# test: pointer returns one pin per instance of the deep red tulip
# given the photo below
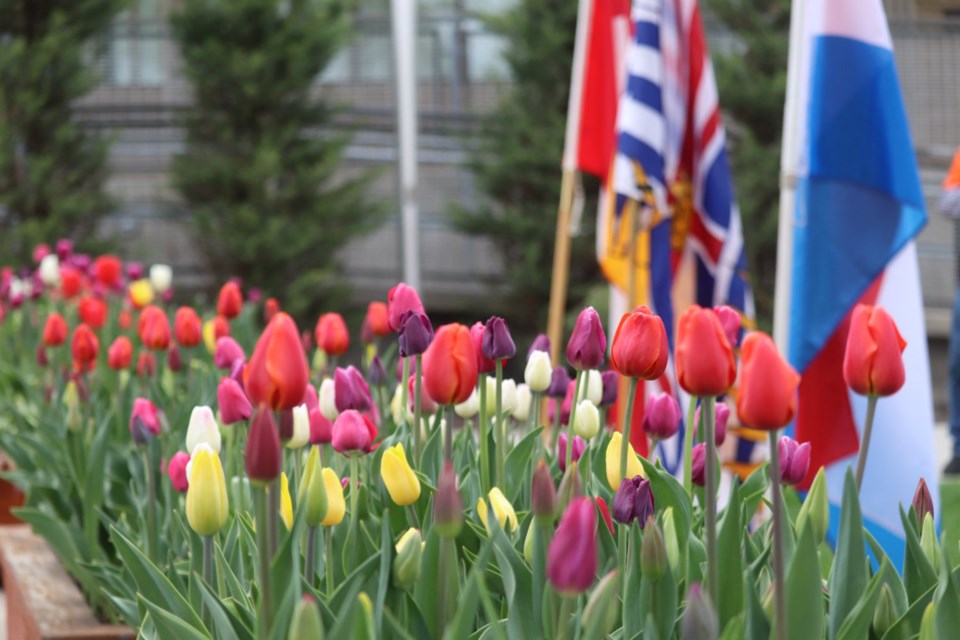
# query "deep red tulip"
(767, 398)
(146, 365)
(572, 556)
(92, 311)
(605, 513)
(450, 365)
(42, 359)
(277, 372)
(230, 300)
(262, 456)
(704, 358)
(120, 353)
(400, 300)
(353, 431)
(84, 347)
(125, 319)
(331, 334)
(587, 343)
(873, 362)
(187, 328)
(107, 270)
(640, 347)
(154, 328)
(55, 330)
(497, 342)
(177, 471)
(484, 364)
(378, 319)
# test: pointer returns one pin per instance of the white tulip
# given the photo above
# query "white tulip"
(50, 270)
(469, 407)
(508, 399)
(396, 405)
(301, 427)
(328, 404)
(592, 387)
(521, 408)
(491, 395)
(203, 429)
(161, 277)
(587, 421)
(538, 373)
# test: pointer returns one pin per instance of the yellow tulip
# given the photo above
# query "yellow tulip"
(286, 503)
(336, 505)
(312, 493)
(207, 505)
(402, 483)
(502, 509)
(209, 337)
(634, 468)
(141, 292)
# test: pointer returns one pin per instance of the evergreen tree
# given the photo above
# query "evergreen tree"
(517, 162)
(752, 81)
(260, 169)
(52, 170)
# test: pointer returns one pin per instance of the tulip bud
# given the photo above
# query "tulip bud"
(491, 406)
(633, 501)
(543, 495)
(922, 502)
(587, 343)
(336, 505)
(376, 374)
(177, 471)
(816, 508)
(49, 270)
(71, 400)
(730, 321)
(587, 423)
(161, 277)
(579, 446)
(203, 429)
(612, 460)
(140, 292)
(521, 407)
(885, 615)
(699, 619)
(397, 410)
(416, 334)
(497, 342)
(449, 371)
(592, 387)
(602, 606)
(328, 400)
(286, 503)
(721, 415)
(353, 431)
(406, 564)
(873, 360)
(146, 365)
(928, 623)
(661, 420)
(502, 509)
(484, 364)
(227, 352)
(538, 373)
(277, 372)
(233, 402)
(144, 421)
(174, 361)
(262, 455)
(670, 539)
(301, 428)
(767, 397)
(401, 300)
(572, 555)
(653, 554)
(230, 300)
(469, 407)
(351, 390)
(611, 384)
(42, 360)
(704, 358)
(401, 482)
(306, 622)
(207, 505)
(570, 488)
(528, 544)
(794, 460)
(559, 382)
(698, 464)
(508, 396)
(311, 492)
(928, 542)
(447, 504)
(540, 343)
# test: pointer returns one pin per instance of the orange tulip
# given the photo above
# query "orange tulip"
(450, 365)
(378, 319)
(187, 327)
(873, 362)
(332, 335)
(55, 330)
(120, 353)
(277, 372)
(84, 348)
(768, 385)
(154, 328)
(230, 301)
(705, 363)
(640, 346)
(93, 311)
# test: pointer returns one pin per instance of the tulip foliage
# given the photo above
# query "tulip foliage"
(231, 499)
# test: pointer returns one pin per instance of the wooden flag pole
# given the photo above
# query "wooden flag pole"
(561, 266)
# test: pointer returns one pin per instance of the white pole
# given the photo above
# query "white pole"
(404, 14)
(793, 111)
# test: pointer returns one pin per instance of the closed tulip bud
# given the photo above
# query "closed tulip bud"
(336, 505)
(277, 372)
(815, 509)
(406, 564)
(640, 348)
(698, 464)
(794, 460)
(469, 407)
(497, 342)
(484, 364)
(376, 374)
(144, 421)
(146, 365)
(587, 343)
(133, 270)
(177, 471)
(873, 361)
(120, 353)
(699, 619)
(521, 406)
(50, 270)
(928, 542)
(928, 623)
(230, 300)
(55, 330)
(601, 612)
(154, 328)
(502, 510)
(351, 390)
(331, 334)
(262, 455)
(592, 387)
(543, 494)
(559, 382)
(187, 328)
(704, 359)
(107, 270)
(353, 431)
(528, 545)
(447, 504)
(174, 361)
(161, 277)
(416, 334)
(570, 487)
(84, 347)
(633, 501)
(885, 615)
(572, 556)
(579, 446)
(71, 400)
(233, 402)
(670, 539)
(378, 319)
(612, 459)
(140, 292)
(767, 398)
(721, 416)
(605, 512)
(653, 554)
(306, 623)
(286, 502)
(42, 360)
(92, 311)
(540, 343)
(401, 300)
(397, 410)
(587, 423)
(538, 373)
(328, 401)
(207, 505)
(661, 420)
(730, 321)
(301, 428)
(203, 429)
(508, 396)
(401, 482)
(312, 493)
(922, 502)
(450, 365)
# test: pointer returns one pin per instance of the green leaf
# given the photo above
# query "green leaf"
(858, 623)
(386, 553)
(469, 602)
(918, 574)
(634, 615)
(667, 492)
(517, 463)
(848, 576)
(947, 604)
(517, 584)
(169, 625)
(729, 560)
(804, 590)
(223, 626)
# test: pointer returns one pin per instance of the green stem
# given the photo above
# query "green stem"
(573, 415)
(688, 447)
(535, 422)
(501, 430)
(627, 423)
(484, 445)
(865, 439)
(417, 394)
(710, 501)
(405, 389)
(273, 493)
(151, 504)
(539, 571)
(448, 434)
(779, 587)
(623, 554)
(263, 548)
(311, 560)
(328, 560)
(555, 431)
(353, 538)
(414, 518)
(563, 621)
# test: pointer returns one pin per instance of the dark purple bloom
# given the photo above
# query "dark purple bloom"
(376, 374)
(350, 390)
(416, 334)
(633, 501)
(559, 382)
(497, 341)
(588, 343)
(611, 382)
(540, 343)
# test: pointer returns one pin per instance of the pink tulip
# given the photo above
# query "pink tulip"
(233, 402)
(572, 556)
(177, 471)
(227, 352)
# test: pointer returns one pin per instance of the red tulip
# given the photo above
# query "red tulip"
(484, 364)
(146, 365)
(873, 362)
(187, 327)
(378, 319)
(154, 328)
(120, 353)
(221, 327)
(262, 456)
(55, 330)
(353, 431)
(71, 282)
(640, 347)
(270, 309)
(84, 347)
(605, 512)
(401, 299)
(768, 385)
(107, 270)
(572, 556)
(587, 343)
(125, 319)
(92, 311)
(277, 372)
(332, 335)
(450, 365)
(230, 300)
(704, 359)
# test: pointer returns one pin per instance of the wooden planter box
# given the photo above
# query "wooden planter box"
(10, 495)
(43, 601)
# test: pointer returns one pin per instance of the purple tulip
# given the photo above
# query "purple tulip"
(559, 381)
(662, 417)
(416, 334)
(233, 402)
(587, 343)
(698, 465)
(579, 446)
(497, 341)
(633, 501)
(572, 556)
(133, 270)
(540, 343)
(351, 390)
(922, 501)
(376, 374)
(794, 460)
(611, 383)
(64, 248)
(721, 416)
